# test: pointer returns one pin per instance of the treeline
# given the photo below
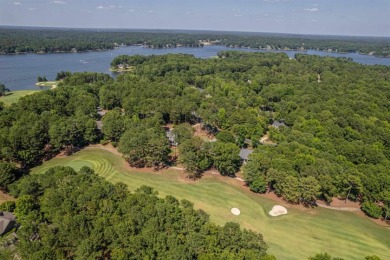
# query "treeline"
(334, 140)
(40, 126)
(18, 40)
(65, 214)
(365, 45)
(40, 40)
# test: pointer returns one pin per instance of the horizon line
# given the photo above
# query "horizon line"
(193, 30)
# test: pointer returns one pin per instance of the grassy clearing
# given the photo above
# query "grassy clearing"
(51, 84)
(299, 234)
(128, 69)
(14, 96)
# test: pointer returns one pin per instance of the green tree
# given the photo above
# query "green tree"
(114, 125)
(386, 202)
(27, 138)
(259, 185)
(328, 189)
(68, 221)
(225, 157)
(288, 188)
(257, 169)
(309, 189)
(371, 209)
(24, 205)
(352, 185)
(70, 132)
(195, 156)
(63, 74)
(225, 136)
(183, 132)
(8, 174)
(41, 79)
(142, 146)
(8, 206)
(3, 90)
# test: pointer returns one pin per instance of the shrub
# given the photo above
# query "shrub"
(8, 206)
(371, 209)
(259, 185)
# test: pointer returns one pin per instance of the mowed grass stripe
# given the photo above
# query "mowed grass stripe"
(14, 96)
(299, 234)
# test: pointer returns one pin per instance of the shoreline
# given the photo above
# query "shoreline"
(284, 49)
(47, 84)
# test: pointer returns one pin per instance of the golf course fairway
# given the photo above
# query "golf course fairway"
(299, 234)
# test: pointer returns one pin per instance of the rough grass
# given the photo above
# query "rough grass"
(5, 197)
(13, 97)
(297, 235)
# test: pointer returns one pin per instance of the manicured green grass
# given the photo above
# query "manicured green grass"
(13, 97)
(129, 69)
(298, 235)
(47, 84)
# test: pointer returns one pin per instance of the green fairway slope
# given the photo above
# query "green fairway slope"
(299, 234)
(14, 96)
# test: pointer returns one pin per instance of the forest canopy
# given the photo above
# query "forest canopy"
(47, 40)
(66, 214)
(327, 120)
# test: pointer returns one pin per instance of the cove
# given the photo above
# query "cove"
(20, 72)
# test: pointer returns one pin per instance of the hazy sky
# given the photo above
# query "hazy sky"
(339, 17)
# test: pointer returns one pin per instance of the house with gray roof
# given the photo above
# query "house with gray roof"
(99, 124)
(171, 137)
(7, 222)
(278, 124)
(244, 154)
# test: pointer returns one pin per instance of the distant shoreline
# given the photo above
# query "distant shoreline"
(303, 50)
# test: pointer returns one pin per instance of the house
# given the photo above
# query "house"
(278, 124)
(244, 154)
(171, 137)
(7, 222)
(101, 112)
(99, 125)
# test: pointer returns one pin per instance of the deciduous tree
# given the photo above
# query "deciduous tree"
(195, 155)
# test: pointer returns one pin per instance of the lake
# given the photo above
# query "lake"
(20, 72)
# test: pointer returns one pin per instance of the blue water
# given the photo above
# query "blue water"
(19, 72)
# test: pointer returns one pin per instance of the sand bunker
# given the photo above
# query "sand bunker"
(235, 211)
(278, 210)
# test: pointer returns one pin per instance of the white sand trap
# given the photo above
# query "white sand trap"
(278, 210)
(235, 211)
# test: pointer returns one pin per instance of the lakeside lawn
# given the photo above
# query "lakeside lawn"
(52, 84)
(13, 97)
(299, 234)
(119, 70)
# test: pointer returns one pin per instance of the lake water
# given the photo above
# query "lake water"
(19, 72)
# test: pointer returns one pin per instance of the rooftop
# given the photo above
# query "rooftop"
(7, 221)
(244, 153)
(278, 124)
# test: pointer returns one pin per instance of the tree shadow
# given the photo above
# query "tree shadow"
(8, 94)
